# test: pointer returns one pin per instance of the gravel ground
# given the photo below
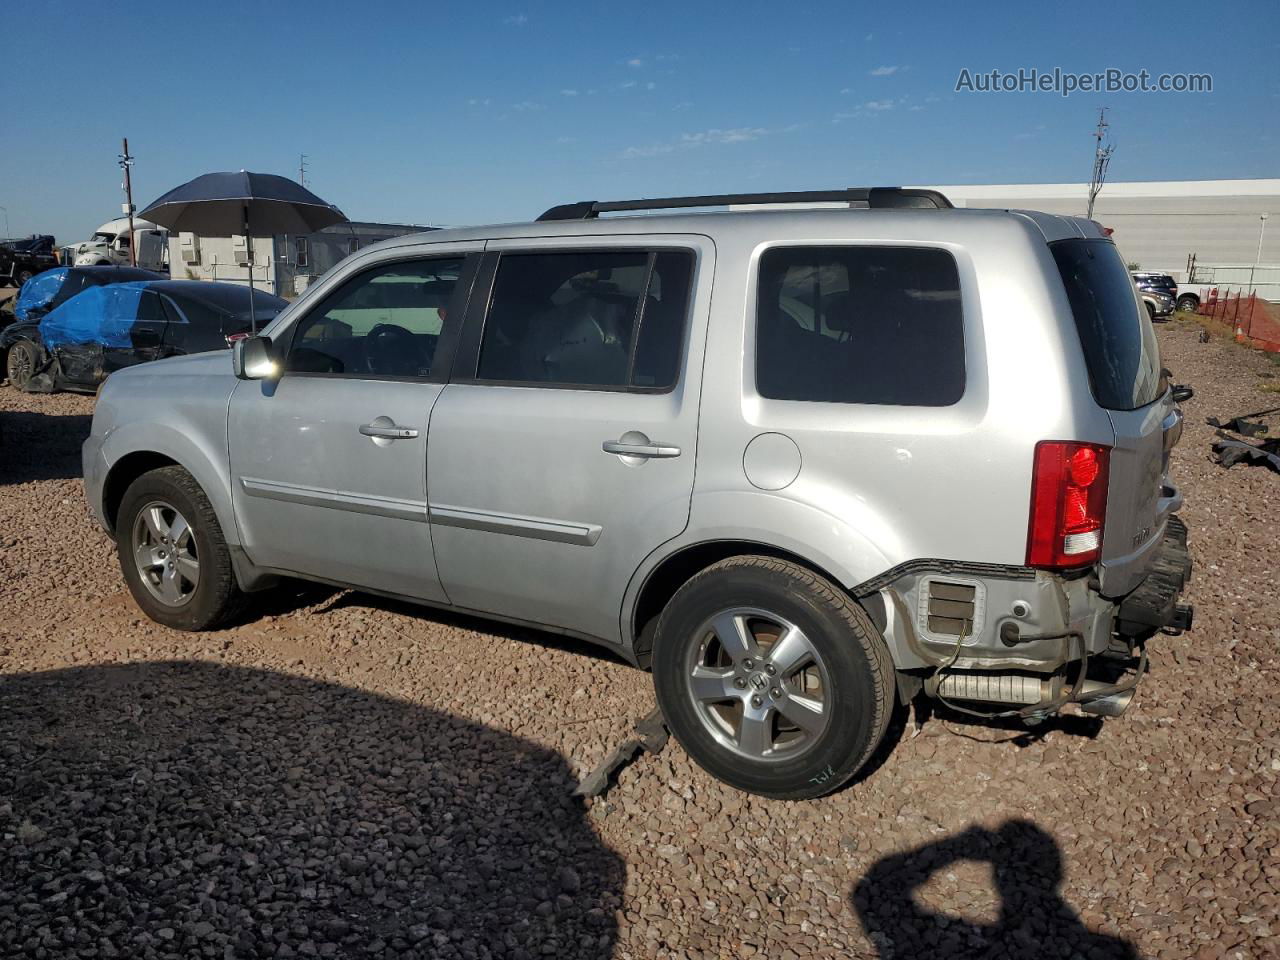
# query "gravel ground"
(345, 776)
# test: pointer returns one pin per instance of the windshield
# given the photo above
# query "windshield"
(1119, 342)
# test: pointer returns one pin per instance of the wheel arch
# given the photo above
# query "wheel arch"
(138, 446)
(660, 584)
(122, 473)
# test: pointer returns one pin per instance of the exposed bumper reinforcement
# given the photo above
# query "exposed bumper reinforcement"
(1154, 605)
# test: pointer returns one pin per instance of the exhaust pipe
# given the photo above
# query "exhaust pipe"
(1094, 700)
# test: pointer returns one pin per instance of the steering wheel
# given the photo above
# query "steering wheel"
(391, 350)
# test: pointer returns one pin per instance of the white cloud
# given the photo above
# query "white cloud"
(628, 85)
(568, 93)
(474, 102)
(845, 91)
(653, 150)
(518, 20)
(702, 138)
(915, 107)
(716, 135)
(650, 85)
(878, 105)
(635, 62)
(566, 139)
(884, 71)
(683, 105)
(527, 105)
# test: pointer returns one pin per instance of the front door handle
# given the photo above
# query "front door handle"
(384, 428)
(635, 444)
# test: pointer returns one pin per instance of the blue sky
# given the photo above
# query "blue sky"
(448, 114)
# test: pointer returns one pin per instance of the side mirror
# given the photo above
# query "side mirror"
(253, 359)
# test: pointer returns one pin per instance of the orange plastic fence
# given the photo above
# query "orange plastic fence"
(1255, 321)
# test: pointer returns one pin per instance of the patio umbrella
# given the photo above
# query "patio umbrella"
(222, 204)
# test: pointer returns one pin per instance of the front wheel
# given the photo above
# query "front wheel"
(173, 555)
(20, 363)
(772, 678)
(1188, 304)
(24, 276)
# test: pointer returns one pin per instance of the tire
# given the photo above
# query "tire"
(183, 580)
(1188, 303)
(20, 363)
(1151, 311)
(838, 662)
(23, 277)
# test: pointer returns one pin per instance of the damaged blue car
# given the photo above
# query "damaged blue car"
(79, 342)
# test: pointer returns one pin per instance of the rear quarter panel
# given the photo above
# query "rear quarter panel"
(882, 485)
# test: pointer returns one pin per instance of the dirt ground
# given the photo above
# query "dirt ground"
(345, 776)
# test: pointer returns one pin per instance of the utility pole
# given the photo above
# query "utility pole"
(126, 162)
(1257, 258)
(302, 169)
(1101, 159)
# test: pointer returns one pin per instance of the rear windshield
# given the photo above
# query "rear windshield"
(1119, 343)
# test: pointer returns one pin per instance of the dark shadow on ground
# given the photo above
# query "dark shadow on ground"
(188, 810)
(292, 595)
(1018, 732)
(1034, 921)
(39, 446)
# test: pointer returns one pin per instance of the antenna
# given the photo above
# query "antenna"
(1101, 158)
(302, 169)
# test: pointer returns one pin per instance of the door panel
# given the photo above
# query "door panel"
(532, 519)
(544, 500)
(314, 495)
(329, 463)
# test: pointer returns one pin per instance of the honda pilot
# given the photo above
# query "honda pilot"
(801, 464)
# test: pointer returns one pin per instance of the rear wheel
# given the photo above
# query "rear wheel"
(1188, 303)
(173, 554)
(20, 364)
(772, 679)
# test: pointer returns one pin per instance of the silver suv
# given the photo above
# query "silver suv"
(804, 464)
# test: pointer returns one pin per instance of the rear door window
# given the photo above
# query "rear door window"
(1119, 342)
(601, 318)
(875, 325)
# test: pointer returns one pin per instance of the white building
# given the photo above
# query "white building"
(284, 264)
(1231, 227)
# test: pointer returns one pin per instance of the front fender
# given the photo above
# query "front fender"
(192, 444)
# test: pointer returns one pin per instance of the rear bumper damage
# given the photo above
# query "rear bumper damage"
(1027, 643)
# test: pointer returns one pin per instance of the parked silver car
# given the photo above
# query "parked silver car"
(803, 464)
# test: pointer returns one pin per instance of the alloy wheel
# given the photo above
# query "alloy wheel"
(758, 684)
(164, 551)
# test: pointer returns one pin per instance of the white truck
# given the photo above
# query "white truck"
(110, 243)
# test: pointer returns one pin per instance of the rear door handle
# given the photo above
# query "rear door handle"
(654, 451)
(387, 430)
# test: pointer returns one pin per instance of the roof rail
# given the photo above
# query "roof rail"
(877, 198)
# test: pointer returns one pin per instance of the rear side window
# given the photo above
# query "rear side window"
(600, 318)
(877, 325)
(1119, 343)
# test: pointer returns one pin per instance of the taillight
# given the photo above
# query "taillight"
(1068, 504)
